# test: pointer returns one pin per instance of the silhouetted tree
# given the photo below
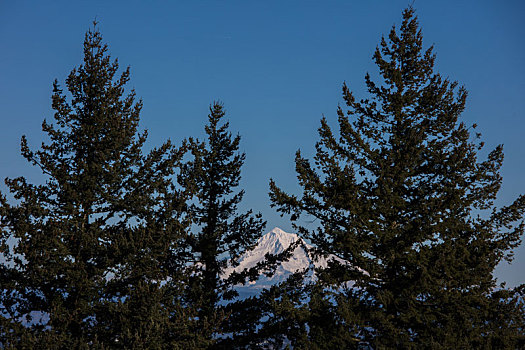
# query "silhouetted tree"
(401, 196)
(220, 233)
(94, 249)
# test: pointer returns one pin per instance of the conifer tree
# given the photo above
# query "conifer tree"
(220, 233)
(402, 196)
(94, 245)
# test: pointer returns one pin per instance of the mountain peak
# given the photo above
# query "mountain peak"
(276, 241)
(278, 231)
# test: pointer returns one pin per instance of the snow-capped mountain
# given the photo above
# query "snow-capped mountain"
(275, 242)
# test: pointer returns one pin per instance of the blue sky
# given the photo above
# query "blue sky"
(277, 66)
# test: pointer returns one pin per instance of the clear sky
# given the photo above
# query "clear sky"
(277, 66)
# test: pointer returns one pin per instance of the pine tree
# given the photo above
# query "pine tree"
(96, 244)
(220, 233)
(401, 196)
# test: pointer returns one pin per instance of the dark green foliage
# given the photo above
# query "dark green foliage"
(95, 241)
(220, 233)
(110, 250)
(110, 253)
(402, 195)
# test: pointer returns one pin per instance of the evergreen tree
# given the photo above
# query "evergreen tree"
(94, 245)
(401, 196)
(220, 233)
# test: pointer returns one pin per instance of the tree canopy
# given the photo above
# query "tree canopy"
(124, 247)
(220, 233)
(401, 195)
(94, 242)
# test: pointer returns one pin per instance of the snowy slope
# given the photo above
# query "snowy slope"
(275, 242)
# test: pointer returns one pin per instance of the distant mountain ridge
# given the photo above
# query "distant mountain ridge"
(275, 242)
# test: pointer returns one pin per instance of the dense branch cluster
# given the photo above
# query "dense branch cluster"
(123, 248)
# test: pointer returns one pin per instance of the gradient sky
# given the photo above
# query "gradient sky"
(277, 66)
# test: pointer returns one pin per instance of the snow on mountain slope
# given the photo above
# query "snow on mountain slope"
(275, 242)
